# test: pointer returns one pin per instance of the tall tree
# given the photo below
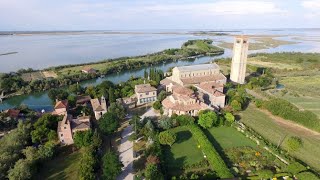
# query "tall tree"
(111, 166)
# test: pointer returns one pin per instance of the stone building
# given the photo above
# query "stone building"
(89, 70)
(239, 59)
(61, 107)
(206, 78)
(68, 126)
(145, 93)
(182, 101)
(99, 107)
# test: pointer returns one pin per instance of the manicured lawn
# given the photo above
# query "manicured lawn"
(183, 152)
(64, 166)
(304, 102)
(228, 137)
(273, 132)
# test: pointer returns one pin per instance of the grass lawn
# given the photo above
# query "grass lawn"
(64, 166)
(228, 137)
(183, 152)
(272, 131)
(303, 85)
(305, 102)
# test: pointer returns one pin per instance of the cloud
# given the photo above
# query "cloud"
(313, 7)
(240, 7)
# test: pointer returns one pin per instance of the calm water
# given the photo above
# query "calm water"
(39, 51)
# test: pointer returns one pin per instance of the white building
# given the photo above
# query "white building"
(99, 107)
(239, 59)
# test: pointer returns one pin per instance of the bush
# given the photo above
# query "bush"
(207, 119)
(109, 122)
(229, 117)
(307, 176)
(236, 105)
(185, 120)
(111, 166)
(213, 156)
(166, 122)
(293, 143)
(167, 138)
(295, 168)
(157, 105)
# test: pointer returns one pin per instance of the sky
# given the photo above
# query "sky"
(23, 15)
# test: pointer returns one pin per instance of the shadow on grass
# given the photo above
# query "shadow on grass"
(183, 136)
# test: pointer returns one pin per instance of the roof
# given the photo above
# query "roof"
(14, 113)
(198, 80)
(182, 90)
(61, 104)
(211, 87)
(198, 67)
(83, 99)
(96, 105)
(141, 88)
(88, 69)
(167, 81)
(81, 123)
(168, 104)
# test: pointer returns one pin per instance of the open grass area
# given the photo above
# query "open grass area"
(64, 166)
(303, 85)
(275, 133)
(228, 137)
(184, 152)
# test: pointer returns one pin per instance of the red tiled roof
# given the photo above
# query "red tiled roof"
(61, 104)
(198, 80)
(88, 69)
(182, 90)
(83, 99)
(14, 113)
(141, 88)
(182, 107)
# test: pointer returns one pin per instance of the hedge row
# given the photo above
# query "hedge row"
(213, 156)
(286, 110)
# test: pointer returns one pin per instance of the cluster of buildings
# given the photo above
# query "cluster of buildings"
(197, 87)
(69, 124)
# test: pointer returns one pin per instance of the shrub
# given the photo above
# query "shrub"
(207, 119)
(295, 168)
(185, 120)
(157, 105)
(213, 156)
(236, 105)
(307, 176)
(167, 138)
(293, 143)
(265, 174)
(229, 117)
(111, 166)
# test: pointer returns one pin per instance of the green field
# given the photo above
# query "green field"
(184, 152)
(228, 137)
(275, 133)
(305, 103)
(64, 166)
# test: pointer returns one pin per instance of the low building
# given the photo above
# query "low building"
(127, 102)
(13, 113)
(83, 100)
(61, 107)
(99, 107)
(182, 101)
(145, 93)
(68, 126)
(89, 70)
(211, 93)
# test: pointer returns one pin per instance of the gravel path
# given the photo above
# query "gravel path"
(126, 154)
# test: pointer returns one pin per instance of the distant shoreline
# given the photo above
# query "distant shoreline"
(8, 53)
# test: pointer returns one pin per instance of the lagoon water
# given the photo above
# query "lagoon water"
(41, 51)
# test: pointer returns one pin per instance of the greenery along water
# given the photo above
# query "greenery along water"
(40, 100)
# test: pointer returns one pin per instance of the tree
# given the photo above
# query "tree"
(162, 95)
(111, 166)
(265, 174)
(157, 105)
(229, 117)
(109, 123)
(167, 137)
(83, 138)
(43, 128)
(22, 170)
(58, 94)
(165, 122)
(75, 88)
(293, 143)
(87, 163)
(112, 97)
(72, 100)
(207, 119)
(295, 168)
(117, 109)
(185, 120)
(152, 172)
(236, 105)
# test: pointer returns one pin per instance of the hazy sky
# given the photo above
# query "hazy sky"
(157, 14)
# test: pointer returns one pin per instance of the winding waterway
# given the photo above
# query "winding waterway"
(69, 49)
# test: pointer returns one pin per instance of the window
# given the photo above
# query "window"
(244, 42)
(61, 135)
(62, 141)
(147, 93)
(154, 93)
(238, 41)
(65, 127)
(140, 95)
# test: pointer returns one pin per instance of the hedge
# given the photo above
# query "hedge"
(213, 156)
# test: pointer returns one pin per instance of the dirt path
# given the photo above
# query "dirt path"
(291, 126)
(126, 155)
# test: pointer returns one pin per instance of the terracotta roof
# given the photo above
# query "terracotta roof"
(83, 99)
(61, 104)
(198, 67)
(96, 105)
(182, 90)
(84, 125)
(211, 87)
(141, 88)
(88, 69)
(198, 80)
(13, 113)
(168, 104)
(167, 81)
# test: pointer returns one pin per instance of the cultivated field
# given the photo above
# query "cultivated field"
(275, 132)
